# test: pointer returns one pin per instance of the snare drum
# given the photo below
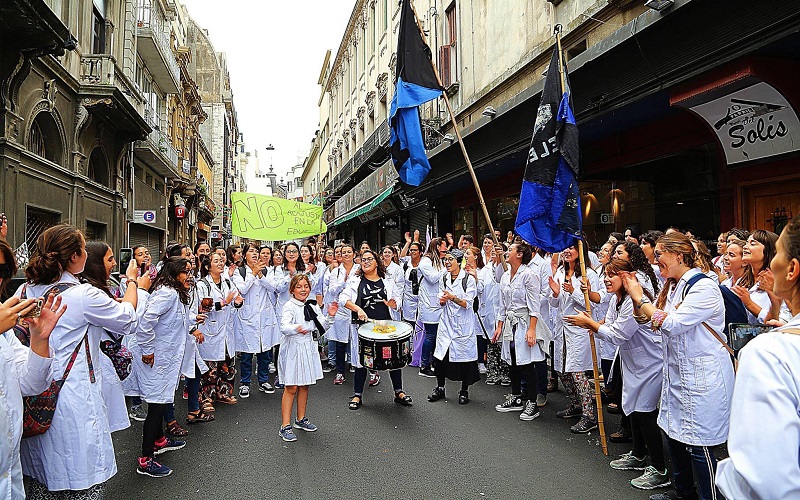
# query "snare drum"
(384, 351)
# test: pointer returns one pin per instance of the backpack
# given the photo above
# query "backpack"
(735, 312)
(464, 281)
(243, 272)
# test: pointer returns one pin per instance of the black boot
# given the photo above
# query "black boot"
(463, 397)
(437, 394)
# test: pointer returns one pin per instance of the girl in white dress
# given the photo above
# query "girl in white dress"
(302, 323)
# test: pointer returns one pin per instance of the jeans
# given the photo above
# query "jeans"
(428, 344)
(332, 357)
(523, 373)
(541, 376)
(341, 350)
(262, 366)
(689, 461)
(152, 429)
(169, 412)
(193, 390)
(361, 379)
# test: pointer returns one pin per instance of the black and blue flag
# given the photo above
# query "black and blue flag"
(415, 84)
(549, 214)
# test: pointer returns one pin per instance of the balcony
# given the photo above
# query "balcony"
(159, 154)
(107, 93)
(153, 45)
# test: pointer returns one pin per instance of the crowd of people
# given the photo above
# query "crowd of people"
(508, 313)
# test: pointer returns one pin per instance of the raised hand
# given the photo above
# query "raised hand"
(12, 310)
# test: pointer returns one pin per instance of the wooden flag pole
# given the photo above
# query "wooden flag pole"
(587, 302)
(461, 142)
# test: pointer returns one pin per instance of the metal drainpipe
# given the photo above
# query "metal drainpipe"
(131, 205)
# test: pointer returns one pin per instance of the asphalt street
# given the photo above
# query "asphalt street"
(430, 450)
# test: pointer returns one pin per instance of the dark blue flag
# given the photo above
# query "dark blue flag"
(549, 214)
(415, 84)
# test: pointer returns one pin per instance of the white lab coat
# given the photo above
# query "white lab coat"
(162, 332)
(350, 293)
(254, 324)
(488, 297)
(410, 306)
(640, 353)
(113, 394)
(220, 341)
(76, 452)
(298, 359)
(342, 326)
(395, 273)
(764, 434)
(572, 349)
(607, 349)
(191, 353)
(130, 386)
(457, 325)
(429, 310)
(22, 373)
(698, 373)
(519, 301)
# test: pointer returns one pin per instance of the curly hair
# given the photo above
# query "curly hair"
(613, 268)
(639, 261)
(378, 262)
(168, 277)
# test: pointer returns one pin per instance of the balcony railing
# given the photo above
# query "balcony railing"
(102, 69)
(157, 150)
(152, 31)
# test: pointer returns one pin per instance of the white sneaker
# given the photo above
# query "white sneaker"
(272, 368)
(244, 391)
(482, 368)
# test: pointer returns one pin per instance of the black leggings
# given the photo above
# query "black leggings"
(520, 372)
(647, 438)
(153, 428)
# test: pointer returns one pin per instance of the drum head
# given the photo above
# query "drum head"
(395, 330)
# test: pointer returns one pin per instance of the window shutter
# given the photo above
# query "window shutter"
(444, 65)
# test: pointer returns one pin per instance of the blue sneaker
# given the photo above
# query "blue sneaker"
(305, 425)
(168, 444)
(287, 434)
(149, 467)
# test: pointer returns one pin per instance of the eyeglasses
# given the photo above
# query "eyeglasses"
(367, 260)
(290, 251)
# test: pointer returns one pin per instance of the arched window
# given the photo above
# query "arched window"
(98, 167)
(44, 138)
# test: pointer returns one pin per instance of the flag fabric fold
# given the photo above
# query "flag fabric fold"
(549, 214)
(415, 84)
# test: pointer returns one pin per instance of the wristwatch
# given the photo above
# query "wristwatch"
(644, 300)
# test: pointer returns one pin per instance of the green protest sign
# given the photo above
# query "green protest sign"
(260, 217)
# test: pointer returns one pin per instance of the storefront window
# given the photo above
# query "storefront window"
(680, 191)
(464, 221)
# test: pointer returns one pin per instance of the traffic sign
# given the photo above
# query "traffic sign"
(144, 216)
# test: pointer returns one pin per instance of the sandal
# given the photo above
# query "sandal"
(402, 398)
(198, 417)
(228, 400)
(206, 406)
(355, 403)
(175, 429)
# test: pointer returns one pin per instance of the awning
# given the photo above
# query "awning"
(366, 207)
